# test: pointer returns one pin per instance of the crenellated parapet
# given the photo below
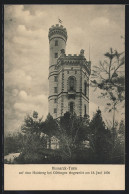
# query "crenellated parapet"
(74, 60)
(57, 30)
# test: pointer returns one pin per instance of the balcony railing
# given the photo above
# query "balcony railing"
(71, 93)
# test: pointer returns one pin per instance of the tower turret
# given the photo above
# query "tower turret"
(57, 40)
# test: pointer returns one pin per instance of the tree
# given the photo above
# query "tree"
(72, 130)
(32, 124)
(119, 144)
(110, 79)
(100, 138)
(50, 128)
(13, 143)
(33, 143)
(121, 130)
(32, 150)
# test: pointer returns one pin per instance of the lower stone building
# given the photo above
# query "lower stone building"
(71, 90)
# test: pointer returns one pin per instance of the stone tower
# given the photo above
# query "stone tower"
(68, 77)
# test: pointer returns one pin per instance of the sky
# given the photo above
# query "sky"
(26, 52)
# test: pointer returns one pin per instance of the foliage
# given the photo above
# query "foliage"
(13, 143)
(119, 144)
(109, 76)
(31, 150)
(72, 131)
(110, 79)
(100, 138)
(50, 128)
(32, 124)
(32, 140)
(106, 143)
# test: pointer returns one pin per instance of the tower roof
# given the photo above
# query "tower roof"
(57, 30)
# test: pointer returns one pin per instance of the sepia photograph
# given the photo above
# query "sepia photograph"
(64, 84)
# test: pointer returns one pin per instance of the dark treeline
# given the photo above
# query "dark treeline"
(13, 143)
(80, 140)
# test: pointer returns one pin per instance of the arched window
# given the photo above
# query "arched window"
(85, 88)
(71, 84)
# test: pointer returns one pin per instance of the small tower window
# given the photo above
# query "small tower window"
(71, 107)
(84, 110)
(85, 88)
(55, 79)
(55, 110)
(56, 42)
(55, 89)
(55, 100)
(56, 55)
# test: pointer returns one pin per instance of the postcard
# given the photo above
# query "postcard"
(64, 97)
